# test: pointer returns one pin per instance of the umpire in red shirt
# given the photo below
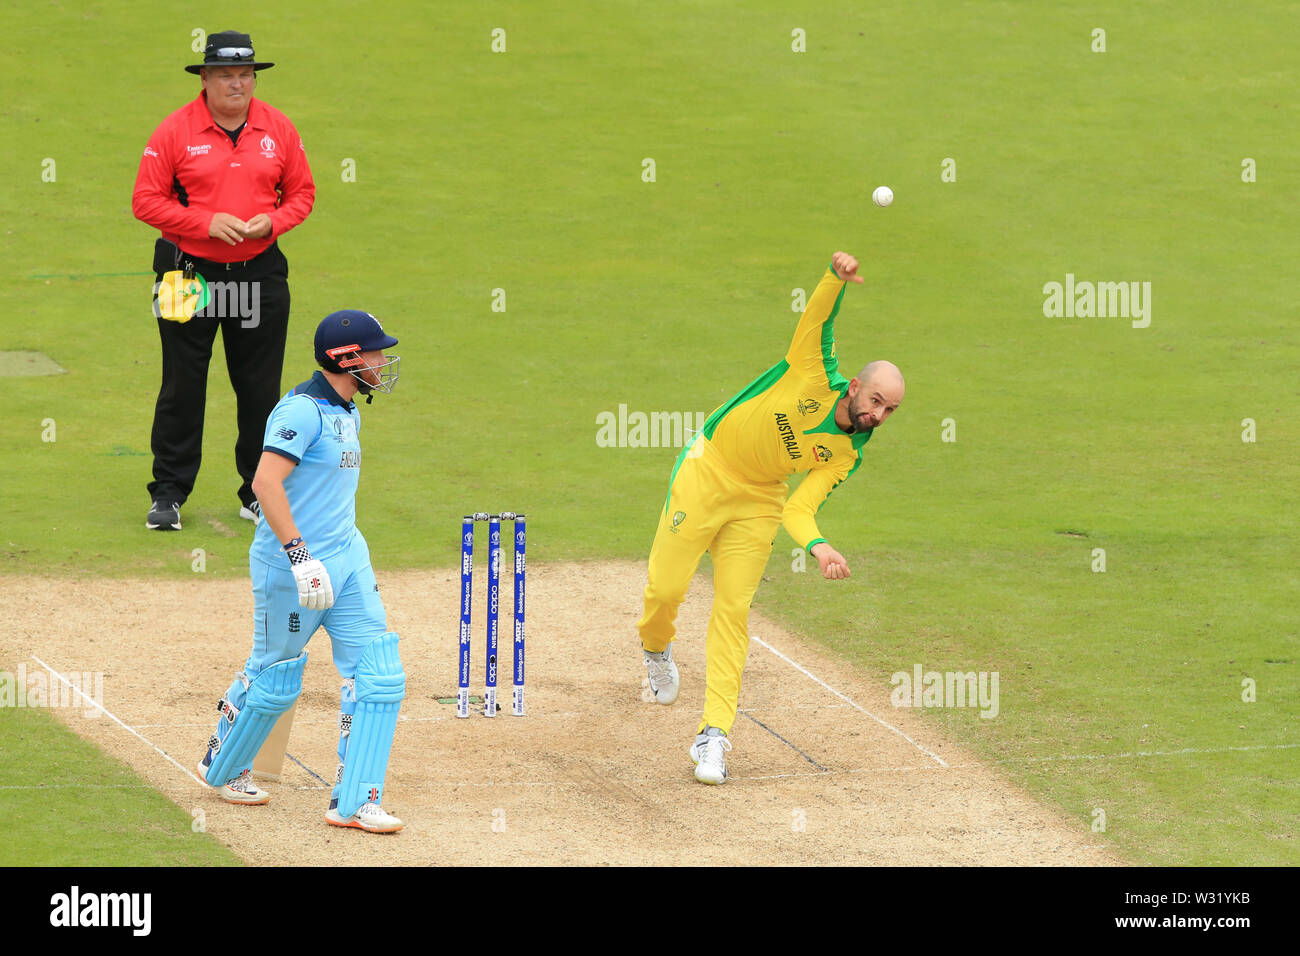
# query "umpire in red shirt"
(222, 179)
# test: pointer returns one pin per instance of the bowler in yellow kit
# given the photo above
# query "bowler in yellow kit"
(728, 495)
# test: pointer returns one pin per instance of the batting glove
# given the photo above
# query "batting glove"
(315, 592)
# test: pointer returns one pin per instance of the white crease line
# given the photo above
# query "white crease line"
(1149, 753)
(852, 703)
(190, 726)
(118, 722)
(334, 721)
(560, 783)
(77, 786)
(926, 768)
(478, 713)
(975, 766)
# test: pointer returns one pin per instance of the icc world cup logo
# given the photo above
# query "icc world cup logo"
(807, 406)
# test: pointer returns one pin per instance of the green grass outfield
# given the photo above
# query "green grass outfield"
(522, 171)
(67, 804)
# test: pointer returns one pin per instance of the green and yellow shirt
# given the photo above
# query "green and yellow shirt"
(783, 422)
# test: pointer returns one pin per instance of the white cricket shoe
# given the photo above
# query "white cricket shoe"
(370, 817)
(240, 790)
(709, 754)
(664, 682)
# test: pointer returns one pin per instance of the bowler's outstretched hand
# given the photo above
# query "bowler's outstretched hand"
(846, 267)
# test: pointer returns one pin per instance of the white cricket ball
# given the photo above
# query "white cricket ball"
(883, 196)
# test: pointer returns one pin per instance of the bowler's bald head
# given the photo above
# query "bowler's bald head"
(883, 375)
(874, 394)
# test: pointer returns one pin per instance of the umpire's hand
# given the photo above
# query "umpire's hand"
(229, 229)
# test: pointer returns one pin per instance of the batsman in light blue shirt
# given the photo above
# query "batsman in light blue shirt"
(311, 568)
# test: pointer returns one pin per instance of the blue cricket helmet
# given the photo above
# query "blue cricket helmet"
(348, 330)
(342, 336)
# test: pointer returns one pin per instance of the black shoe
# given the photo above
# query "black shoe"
(252, 511)
(164, 516)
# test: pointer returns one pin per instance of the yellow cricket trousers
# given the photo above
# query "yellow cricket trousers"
(711, 508)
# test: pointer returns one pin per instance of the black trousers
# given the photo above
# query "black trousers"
(251, 308)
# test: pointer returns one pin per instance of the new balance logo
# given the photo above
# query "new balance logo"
(288, 434)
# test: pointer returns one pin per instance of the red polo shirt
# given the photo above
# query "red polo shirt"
(191, 170)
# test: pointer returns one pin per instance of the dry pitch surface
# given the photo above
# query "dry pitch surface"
(823, 770)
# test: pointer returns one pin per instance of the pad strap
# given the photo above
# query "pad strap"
(244, 727)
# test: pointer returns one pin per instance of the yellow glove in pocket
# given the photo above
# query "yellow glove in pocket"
(177, 297)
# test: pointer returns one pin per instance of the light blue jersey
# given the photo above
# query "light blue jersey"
(317, 430)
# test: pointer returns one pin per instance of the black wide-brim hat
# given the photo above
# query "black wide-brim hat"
(229, 48)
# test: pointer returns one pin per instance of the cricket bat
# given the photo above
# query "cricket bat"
(270, 759)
